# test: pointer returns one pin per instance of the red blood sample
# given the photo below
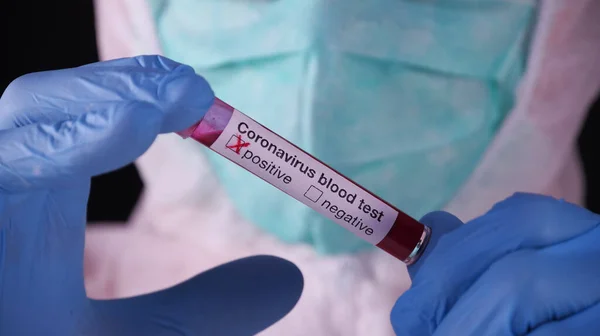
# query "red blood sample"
(208, 129)
(407, 239)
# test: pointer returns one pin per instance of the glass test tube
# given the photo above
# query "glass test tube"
(257, 149)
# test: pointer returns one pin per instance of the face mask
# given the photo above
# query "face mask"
(401, 96)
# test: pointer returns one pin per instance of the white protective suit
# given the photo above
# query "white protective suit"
(184, 223)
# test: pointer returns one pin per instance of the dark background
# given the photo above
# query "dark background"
(46, 35)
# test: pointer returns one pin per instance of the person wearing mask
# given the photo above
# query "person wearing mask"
(431, 105)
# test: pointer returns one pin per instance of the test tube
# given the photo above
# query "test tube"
(255, 148)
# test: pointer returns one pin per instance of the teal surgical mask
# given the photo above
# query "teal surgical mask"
(403, 97)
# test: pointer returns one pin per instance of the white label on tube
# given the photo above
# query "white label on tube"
(254, 147)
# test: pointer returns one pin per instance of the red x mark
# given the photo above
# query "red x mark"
(238, 146)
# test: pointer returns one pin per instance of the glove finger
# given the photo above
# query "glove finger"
(52, 96)
(239, 298)
(528, 289)
(440, 223)
(523, 221)
(156, 62)
(60, 154)
(584, 323)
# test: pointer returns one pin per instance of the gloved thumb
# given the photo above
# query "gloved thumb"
(242, 297)
(62, 153)
(441, 223)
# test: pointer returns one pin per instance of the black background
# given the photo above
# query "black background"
(46, 35)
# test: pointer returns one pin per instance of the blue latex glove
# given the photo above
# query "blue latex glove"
(531, 266)
(59, 128)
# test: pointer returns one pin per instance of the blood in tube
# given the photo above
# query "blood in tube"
(277, 161)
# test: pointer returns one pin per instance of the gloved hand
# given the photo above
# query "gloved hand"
(59, 128)
(530, 266)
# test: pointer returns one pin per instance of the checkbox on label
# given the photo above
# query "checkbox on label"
(313, 193)
(236, 143)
